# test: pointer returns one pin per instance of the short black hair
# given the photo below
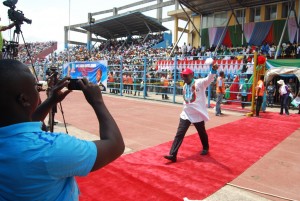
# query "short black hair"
(10, 72)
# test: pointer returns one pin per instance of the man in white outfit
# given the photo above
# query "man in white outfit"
(194, 110)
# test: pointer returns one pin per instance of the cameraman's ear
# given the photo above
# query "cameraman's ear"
(23, 100)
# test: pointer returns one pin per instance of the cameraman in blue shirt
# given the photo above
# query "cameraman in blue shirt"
(38, 165)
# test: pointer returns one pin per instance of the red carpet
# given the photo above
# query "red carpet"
(146, 175)
(237, 107)
(281, 118)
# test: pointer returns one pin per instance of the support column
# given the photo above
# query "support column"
(176, 5)
(66, 37)
(175, 28)
(159, 11)
(115, 11)
(89, 41)
(89, 34)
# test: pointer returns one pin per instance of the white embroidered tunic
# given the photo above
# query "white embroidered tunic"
(194, 104)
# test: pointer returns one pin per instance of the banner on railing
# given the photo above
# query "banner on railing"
(95, 72)
(199, 66)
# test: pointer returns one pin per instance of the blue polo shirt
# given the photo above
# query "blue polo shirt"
(38, 165)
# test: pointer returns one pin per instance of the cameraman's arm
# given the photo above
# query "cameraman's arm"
(111, 144)
(4, 28)
(56, 96)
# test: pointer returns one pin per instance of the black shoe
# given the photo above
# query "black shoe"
(171, 158)
(204, 152)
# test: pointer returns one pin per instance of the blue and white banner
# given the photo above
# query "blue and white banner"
(94, 71)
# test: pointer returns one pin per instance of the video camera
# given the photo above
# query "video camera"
(15, 16)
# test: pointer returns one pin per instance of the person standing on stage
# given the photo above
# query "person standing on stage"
(194, 110)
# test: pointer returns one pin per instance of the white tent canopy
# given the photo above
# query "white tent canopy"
(282, 67)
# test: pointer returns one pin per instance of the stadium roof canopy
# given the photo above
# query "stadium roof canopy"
(123, 25)
(205, 7)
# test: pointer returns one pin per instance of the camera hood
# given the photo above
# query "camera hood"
(10, 3)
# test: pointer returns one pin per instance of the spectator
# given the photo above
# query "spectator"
(272, 51)
(184, 50)
(244, 90)
(189, 49)
(260, 88)
(284, 95)
(164, 87)
(292, 89)
(296, 102)
(265, 48)
(220, 90)
(298, 52)
(271, 90)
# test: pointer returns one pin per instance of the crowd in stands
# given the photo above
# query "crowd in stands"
(132, 50)
(34, 50)
(140, 43)
(287, 50)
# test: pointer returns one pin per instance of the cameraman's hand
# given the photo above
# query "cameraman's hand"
(91, 91)
(56, 94)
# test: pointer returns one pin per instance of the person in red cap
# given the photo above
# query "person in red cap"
(194, 110)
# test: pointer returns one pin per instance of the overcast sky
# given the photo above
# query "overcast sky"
(50, 17)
